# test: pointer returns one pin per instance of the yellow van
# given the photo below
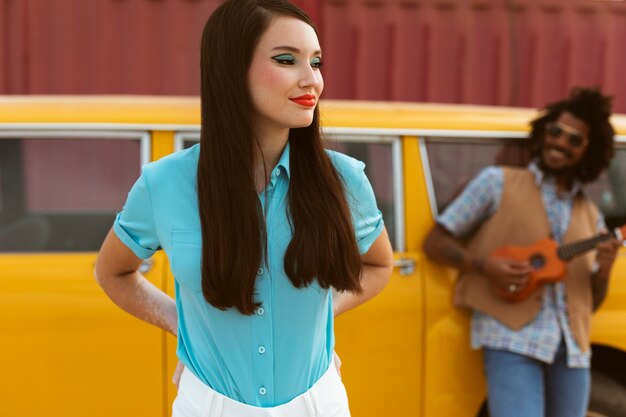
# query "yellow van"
(66, 164)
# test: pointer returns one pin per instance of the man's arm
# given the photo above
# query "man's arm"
(441, 246)
(607, 252)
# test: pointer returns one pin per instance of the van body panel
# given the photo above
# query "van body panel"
(69, 351)
(404, 353)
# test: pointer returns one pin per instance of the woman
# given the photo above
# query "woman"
(259, 223)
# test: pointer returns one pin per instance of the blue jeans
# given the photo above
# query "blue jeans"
(519, 386)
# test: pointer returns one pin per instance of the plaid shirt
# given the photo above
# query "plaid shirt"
(541, 338)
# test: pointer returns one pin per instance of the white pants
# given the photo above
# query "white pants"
(326, 398)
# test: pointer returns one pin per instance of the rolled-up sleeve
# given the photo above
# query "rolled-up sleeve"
(367, 218)
(478, 201)
(134, 225)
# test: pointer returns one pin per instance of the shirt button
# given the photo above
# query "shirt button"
(261, 349)
(260, 311)
(260, 271)
(262, 391)
(278, 172)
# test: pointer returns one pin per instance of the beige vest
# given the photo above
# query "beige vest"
(521, 220)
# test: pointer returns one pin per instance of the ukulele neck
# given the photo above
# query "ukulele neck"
(567, 252)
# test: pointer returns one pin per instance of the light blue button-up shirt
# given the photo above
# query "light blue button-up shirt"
(279, 352)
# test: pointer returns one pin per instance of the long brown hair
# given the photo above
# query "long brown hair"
(323, 245)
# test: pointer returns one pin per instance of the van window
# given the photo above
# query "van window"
(379, 168)
(382, 160)
(61, 195)
(455, 161)
(609, 191)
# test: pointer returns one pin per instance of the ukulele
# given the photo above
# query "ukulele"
(549, 261)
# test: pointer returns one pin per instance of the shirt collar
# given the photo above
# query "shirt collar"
(283, 162)
(541, 178)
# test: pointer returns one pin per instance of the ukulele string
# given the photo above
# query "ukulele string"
(568, 251)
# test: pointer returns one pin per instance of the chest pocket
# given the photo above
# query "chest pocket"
(187, 258)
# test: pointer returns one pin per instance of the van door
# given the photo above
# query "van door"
(66, 349)
(380, 342)
(455, 384)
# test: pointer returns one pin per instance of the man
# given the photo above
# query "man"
(536, 351)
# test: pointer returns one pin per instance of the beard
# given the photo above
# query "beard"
(570, 172)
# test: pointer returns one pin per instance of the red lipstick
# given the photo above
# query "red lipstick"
(307, 100)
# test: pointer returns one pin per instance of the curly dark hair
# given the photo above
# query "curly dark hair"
(589, 105)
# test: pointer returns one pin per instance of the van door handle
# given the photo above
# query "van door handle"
(405, 265)
(146, 265)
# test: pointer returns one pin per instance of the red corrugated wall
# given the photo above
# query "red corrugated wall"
(506, 52)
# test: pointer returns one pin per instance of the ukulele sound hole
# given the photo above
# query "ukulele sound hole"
(537, 261)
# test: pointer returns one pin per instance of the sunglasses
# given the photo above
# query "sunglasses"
(574, 138)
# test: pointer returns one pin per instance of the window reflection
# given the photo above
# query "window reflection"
(62, 194)
(455, 161)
